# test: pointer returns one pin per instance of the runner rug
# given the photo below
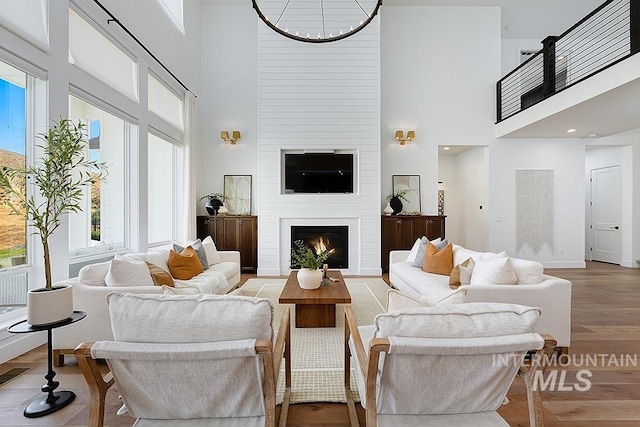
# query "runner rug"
(317, 354)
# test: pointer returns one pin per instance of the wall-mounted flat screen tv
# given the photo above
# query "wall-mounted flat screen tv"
(318, 173)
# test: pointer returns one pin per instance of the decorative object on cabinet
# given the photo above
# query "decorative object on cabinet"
(232, 233)
(394, 201)
(330, 24)
(411, 134)
(410, 184)
(237, 191)
(388, 210)
(235, 136)
(400, 232)
(214, 202)
(440, 198)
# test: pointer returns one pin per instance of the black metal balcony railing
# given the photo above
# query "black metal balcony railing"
(603, 38)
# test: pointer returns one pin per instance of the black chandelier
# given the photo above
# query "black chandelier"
(317, 21)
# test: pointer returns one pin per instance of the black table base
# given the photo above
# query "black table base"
(42, 407)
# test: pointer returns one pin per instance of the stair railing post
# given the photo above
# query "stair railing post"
(549, 66)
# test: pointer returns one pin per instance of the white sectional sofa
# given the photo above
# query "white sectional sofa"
(90, 295)
(551, 294)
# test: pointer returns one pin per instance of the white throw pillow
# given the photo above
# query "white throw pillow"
(157, 257)
(493, 272)
(414, 251)
(212, 252)
(128, 273)
(489, 256)
(396, 300)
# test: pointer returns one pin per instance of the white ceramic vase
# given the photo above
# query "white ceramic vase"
(388, 210)
(45, 307)
(309, 279)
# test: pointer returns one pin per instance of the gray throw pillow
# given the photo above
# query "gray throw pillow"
(202, 255)
(419, 261)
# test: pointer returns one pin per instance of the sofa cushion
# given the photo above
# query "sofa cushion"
(423, 283)
(157, 256)
(213, 257)
(159, 276)
(184, 265)
(461, 274)
(189, 318)
(494, 271)
(438, 261)
(200, 252)
(94, 274)
(397, 300)
(229, 269)
(478, 319)
(128, 273)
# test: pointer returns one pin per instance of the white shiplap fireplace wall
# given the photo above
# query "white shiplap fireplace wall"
(319, 97)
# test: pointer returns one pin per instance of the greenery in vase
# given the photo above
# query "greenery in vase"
(399, 194)
(307, 258)
(59, 177)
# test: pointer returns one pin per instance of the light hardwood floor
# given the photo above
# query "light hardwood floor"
(606, 321)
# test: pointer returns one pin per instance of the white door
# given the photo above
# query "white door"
(605, 214)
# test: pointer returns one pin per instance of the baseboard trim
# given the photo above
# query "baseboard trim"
(370, 272)
(629, 263)
(268, 272)
(20, 344)
(564, 264)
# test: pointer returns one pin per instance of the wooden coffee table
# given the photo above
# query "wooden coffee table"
(315, 308)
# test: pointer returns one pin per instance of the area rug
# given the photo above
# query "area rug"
(317, 354)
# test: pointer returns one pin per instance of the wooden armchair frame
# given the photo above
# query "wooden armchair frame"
(99, 384)
(369, 367)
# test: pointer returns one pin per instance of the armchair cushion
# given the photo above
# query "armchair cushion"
(189, 318)
(458, 321)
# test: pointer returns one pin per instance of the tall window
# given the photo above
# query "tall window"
(100, 227)
(13, 231)
(161, 185)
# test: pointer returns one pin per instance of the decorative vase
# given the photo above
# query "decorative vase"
(309, 279)
(45, 307)
(396, 205)
(213, 205)
(388, 210)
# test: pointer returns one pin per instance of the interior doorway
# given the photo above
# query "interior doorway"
(606, 205)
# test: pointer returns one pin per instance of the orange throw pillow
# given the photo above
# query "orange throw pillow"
(184, 265)
(438, 261)
(159, 276)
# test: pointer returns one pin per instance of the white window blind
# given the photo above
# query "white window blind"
(27, 18)
(165, 103)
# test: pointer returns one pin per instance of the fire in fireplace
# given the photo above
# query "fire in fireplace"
(319, 238)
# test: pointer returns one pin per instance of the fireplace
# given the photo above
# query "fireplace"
(334, 237)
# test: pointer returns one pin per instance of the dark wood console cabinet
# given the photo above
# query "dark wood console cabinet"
(233, 233)
(401, 231)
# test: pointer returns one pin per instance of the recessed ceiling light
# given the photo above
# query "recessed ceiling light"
(446, 148)
(570, 130)
(593, 135)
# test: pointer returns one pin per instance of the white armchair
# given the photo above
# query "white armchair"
(443, 366)
(190, 360)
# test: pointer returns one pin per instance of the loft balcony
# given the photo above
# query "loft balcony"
(588, 78)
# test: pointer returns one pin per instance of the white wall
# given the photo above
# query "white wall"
(473, 166)
(566, 158)
(439, 68)
(229, 96)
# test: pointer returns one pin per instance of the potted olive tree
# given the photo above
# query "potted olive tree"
(58, 179)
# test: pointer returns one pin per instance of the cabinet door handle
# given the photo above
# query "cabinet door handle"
(239, 221)
(398, 221)
(206, 221)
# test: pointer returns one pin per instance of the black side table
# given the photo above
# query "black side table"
(53, 401)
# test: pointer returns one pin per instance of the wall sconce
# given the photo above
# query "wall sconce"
(401, 139)
(235, 136)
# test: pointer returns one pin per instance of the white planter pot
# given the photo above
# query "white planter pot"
(309, 279)
(45, 307)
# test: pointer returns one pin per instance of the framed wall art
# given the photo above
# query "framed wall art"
(237, 192)
(409, 185)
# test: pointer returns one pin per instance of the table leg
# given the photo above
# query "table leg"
(53, 401)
